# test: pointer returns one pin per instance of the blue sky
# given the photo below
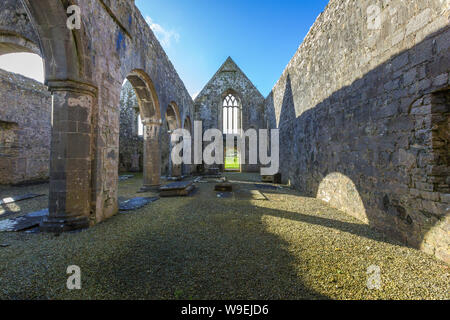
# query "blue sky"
(261, 36)
(198, 35)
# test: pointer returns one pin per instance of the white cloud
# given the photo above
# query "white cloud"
(164, 36)
(27, 64)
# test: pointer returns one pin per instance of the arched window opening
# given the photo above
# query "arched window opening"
(231, 115)
(25, 110)
(140, 154)
(231, 126)
(29, 65)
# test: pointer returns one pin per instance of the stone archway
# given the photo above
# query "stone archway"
(25, 155)
(151, 118)
(13, 43)
(173, 120)
(24, 144)
(45, 32)
(84, 70)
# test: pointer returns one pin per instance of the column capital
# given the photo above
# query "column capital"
(152, 122)
(73, 86)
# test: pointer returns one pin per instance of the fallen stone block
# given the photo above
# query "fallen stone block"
(20, 198)
(23, 223)
(176, 186)
(224, 186)
(177, 189)
(147, 189)
(272, 179)
(136, 203)
(177, 193)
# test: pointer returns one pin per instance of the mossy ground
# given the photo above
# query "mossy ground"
(204, 247)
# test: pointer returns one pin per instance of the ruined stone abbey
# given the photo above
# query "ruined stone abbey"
(363, 110)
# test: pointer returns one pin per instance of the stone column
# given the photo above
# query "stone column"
(175, 168)
(70, 158)
(135, 165)
(152, 155)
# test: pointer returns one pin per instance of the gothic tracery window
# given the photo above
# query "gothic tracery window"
(231, 115)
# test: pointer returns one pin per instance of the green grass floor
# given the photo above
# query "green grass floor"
(205, 247)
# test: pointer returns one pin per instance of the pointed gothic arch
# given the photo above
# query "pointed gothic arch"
(67, 75)
(150, 116)
(173, 117)
(147, 98)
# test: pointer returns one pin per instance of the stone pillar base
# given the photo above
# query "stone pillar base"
(63, 224)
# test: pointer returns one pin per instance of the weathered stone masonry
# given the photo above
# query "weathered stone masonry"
(25, 115)
(363, 109)
(209, 102)
(84, 70)
(365, 113)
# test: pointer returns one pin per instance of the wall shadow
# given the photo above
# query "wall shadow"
(358, 229)
(189, 252)
(376, 138)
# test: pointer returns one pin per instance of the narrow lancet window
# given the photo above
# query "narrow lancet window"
(231, 115)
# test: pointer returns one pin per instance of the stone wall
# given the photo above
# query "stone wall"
(209, 102)
(131, 145)
(85, 69)
(363, 114)
(121, 42)
(25, 115)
